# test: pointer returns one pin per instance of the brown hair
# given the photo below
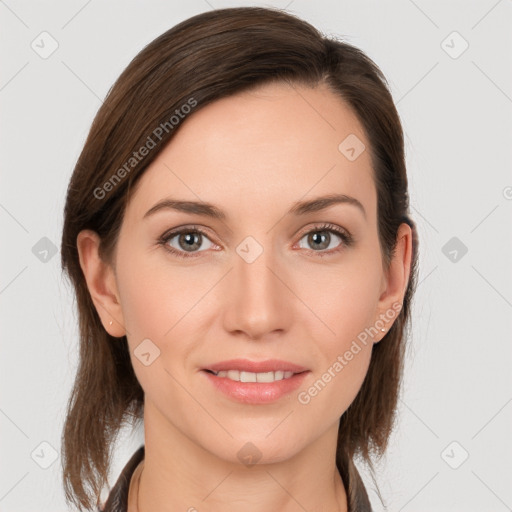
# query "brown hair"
(204, 58)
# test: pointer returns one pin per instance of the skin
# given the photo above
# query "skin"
(253, 155)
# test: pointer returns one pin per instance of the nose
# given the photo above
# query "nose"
(258, 302)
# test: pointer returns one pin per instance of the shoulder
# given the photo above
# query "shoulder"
(118, 496)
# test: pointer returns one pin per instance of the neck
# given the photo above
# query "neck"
(178, 474)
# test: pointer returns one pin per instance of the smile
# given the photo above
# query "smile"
(255, 388)
(241, 376)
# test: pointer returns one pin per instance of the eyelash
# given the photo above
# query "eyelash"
(344, 235)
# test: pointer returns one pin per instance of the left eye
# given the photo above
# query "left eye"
(321, 240)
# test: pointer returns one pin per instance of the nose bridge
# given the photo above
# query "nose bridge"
(258, 295)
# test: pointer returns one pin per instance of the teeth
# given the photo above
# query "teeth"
(254, 377)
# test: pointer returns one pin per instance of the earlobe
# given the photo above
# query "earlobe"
(101, 282)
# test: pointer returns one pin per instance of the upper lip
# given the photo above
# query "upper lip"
(245, 365)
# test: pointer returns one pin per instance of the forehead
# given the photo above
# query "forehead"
(263, 148)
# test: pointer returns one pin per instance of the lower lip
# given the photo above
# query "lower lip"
(256, 392)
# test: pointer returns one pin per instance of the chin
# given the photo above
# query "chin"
(250, 450)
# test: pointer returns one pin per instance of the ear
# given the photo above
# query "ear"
(396, 279)
(101, 282)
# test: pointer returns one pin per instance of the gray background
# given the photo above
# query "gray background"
(456, 110)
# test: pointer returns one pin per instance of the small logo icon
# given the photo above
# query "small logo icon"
(249, 454)
(351, 147)
(249, 249)
(146, 352)
(44, 45)
(44, 250)
(44, 455)
(454, 455)
(454, 249)
(454, 45)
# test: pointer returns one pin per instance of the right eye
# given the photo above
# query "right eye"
(188, 239)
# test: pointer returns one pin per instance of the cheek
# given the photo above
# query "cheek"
(145, 304)
(343, 298)
(156, 294)
(336, 383)
(163, 304)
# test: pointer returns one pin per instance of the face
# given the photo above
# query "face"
(263, 280)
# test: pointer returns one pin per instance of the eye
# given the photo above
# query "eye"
(321, 238)
(187, 240)
(184, 242)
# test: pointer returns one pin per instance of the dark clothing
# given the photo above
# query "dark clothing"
(117, 501)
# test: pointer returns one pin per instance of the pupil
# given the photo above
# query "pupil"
(317, 238)
(189, 238)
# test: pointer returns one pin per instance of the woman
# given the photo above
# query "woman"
(237, 232)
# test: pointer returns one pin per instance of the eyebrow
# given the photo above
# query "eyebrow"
(297, 209)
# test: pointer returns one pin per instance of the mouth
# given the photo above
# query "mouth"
(252, 382)
(248, 366)
(241, 376)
